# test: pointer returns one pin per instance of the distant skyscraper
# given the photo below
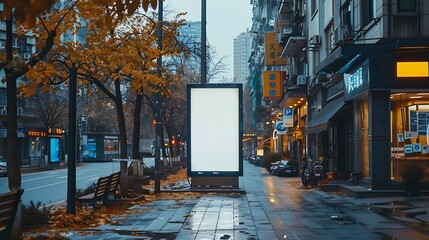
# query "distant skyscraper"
(242, 50)
(190, 32)
(190, 36)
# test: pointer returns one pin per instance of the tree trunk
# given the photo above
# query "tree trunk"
(137, 123)
(13, 166)
(14, 173)
(121, 121)
(122, 139)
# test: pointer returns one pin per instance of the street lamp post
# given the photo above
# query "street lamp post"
(71, 150)
(158, 104)
(203, 43)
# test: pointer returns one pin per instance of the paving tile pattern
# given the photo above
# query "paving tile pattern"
(271, 208)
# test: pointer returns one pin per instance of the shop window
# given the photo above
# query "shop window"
(406, 6)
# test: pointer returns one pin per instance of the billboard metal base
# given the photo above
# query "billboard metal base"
(218, 182)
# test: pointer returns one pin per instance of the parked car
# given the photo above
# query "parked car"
(274, 167)
(252, 159)
(3, 170)
(258, 161)
(287, 168)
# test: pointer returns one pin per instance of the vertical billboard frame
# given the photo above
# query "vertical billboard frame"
(208, 106)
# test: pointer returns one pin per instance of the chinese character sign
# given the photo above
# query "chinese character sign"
(353, 81)
(272, 85)
(273, 50)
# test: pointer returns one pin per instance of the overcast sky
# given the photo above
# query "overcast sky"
(225, 20)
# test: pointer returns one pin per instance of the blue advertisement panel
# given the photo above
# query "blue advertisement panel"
(54, 150)
(89, 150)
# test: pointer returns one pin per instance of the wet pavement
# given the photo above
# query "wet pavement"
(271, 208)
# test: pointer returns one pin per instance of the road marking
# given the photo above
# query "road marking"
(93, 177)
(48, 185)
(29, 180)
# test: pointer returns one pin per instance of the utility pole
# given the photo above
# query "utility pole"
(203, 43)
(158, 104)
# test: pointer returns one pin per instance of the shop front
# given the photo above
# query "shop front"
(384, 125)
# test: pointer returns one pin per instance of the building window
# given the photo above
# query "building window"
(368, 11)
(347, 21)
(313, 7)
(406, 5)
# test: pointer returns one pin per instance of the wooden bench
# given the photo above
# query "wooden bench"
(101, 190)
(8, 207)
(113, 188)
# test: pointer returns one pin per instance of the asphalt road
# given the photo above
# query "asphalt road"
(50, 187)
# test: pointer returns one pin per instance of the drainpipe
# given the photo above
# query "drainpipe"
(389, 19)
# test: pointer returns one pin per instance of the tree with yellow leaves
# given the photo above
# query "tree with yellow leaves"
(47, 20)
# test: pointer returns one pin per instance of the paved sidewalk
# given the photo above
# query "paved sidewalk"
(271, 208)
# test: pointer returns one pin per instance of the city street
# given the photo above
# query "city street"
(271, 208)
(50, 187)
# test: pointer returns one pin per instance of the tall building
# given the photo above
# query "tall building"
(190, 33)
(242, 49)
(190, 36)
(23, 48)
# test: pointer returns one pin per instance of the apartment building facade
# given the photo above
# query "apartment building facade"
(365, 63)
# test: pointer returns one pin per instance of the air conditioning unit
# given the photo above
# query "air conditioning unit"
(27, 55)
(261, 49)
(301, 80)
(284, 35)
(315, 40)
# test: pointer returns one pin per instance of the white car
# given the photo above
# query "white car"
(3, 170)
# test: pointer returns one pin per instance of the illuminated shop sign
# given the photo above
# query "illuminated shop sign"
(412, 69)
(353, 81)
(273, 85)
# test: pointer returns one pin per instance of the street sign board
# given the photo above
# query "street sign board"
(280, 127)
(288, 117)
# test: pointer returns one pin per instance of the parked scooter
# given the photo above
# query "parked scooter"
(314, 173)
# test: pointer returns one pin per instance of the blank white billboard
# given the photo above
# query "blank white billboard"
(215, 129)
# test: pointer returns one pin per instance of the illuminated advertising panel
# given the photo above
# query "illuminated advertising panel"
(273, 85)
(215, 129)
(412, 69)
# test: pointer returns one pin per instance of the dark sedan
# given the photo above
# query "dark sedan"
(287, 168)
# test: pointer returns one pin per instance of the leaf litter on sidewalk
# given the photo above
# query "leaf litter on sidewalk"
(62, 223)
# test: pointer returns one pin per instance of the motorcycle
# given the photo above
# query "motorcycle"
(313, 174)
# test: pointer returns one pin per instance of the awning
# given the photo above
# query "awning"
(319, 121)
(294, 46)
